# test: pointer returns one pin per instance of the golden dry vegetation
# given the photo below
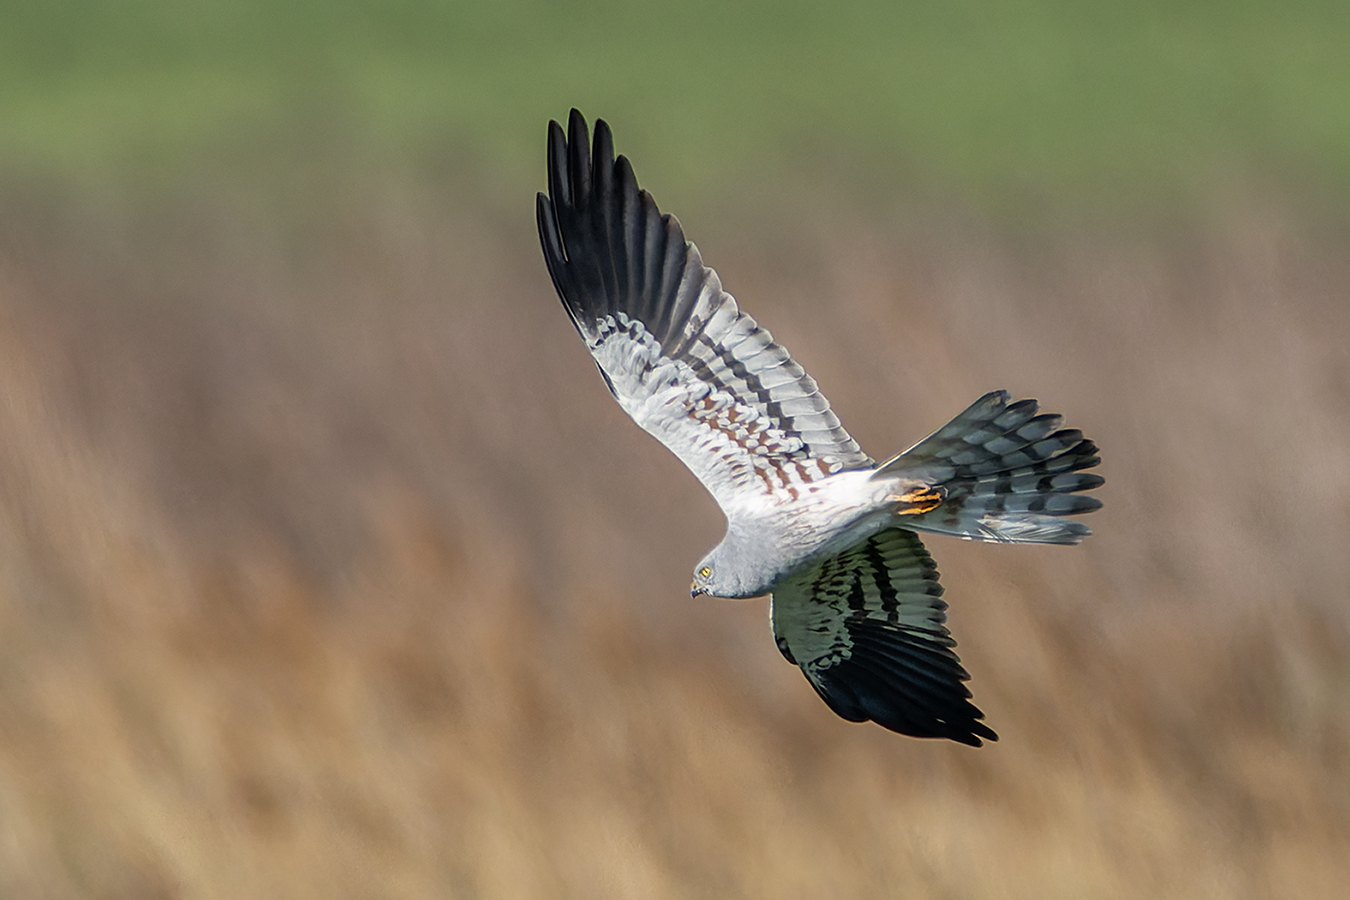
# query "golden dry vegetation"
(329, 569)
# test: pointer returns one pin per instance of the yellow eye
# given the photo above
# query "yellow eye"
(704, 572)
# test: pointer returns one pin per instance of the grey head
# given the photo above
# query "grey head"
(738, 568)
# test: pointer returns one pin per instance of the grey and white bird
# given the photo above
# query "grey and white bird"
(812, 520)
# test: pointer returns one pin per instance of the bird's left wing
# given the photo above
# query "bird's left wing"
(867, 629)
(673, 347)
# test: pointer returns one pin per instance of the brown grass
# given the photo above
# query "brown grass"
(328, 569)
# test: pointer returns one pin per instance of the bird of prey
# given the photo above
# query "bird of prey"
(812, 520)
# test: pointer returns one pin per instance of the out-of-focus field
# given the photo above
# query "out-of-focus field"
(1012, 104)
(333, 570)
(328, 568)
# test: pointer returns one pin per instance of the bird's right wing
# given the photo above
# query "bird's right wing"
(867, 629)
(673, 347)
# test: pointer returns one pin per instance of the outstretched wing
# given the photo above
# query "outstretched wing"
(674, 348)
(866, 628)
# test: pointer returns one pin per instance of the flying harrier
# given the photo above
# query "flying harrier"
(811, 519)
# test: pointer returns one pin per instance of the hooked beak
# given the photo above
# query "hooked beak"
(695, 590)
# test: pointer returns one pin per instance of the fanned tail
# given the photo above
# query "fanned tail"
(1005, 473)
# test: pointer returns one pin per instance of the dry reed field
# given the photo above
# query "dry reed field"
(328, 568)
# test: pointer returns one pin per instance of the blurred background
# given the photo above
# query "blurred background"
(328, 568)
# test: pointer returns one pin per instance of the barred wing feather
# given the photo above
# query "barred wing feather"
(867, 628)
(673, 347)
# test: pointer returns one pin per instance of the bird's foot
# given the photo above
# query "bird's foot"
(918, 500)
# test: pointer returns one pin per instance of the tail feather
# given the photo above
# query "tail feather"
(1008, 474)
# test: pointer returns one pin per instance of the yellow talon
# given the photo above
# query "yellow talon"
(919, 500)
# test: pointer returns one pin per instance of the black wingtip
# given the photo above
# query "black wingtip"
(559, 186)
(602, 146)
(863, 692)
(608, 247)
(555, 256)
(578, 158)
(904, 682)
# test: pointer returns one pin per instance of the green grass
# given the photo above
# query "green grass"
(1089, 105)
